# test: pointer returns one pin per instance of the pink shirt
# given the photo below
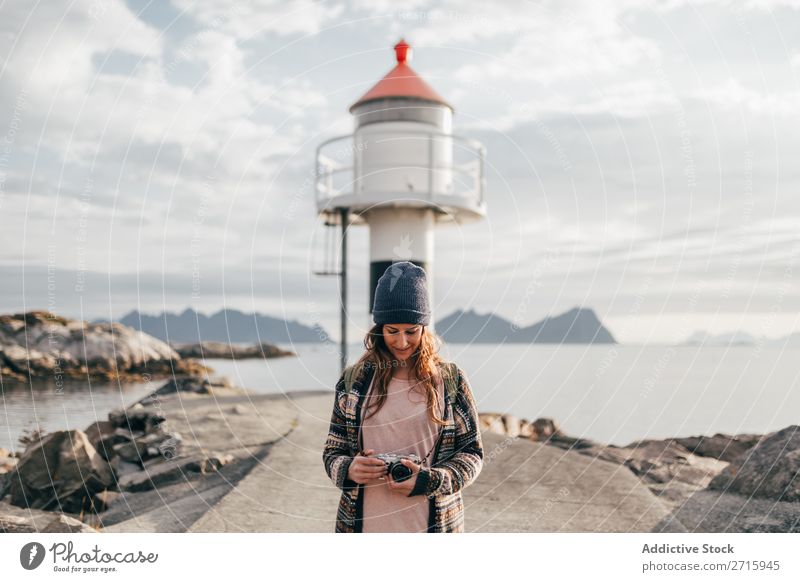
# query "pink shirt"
(400, 426)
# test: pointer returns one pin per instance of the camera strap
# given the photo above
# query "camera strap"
(426, 460)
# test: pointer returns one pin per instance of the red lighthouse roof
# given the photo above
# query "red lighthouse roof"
(401, 81)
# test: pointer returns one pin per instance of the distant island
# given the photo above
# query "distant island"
(576, 326)
(739, 338)
(226, 325)
(703, 338)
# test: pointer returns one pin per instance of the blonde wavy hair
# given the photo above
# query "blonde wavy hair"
(425, 364)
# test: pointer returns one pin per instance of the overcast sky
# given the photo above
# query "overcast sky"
(642, 156)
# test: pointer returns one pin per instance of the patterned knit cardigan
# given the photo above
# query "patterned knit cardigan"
(457, 460)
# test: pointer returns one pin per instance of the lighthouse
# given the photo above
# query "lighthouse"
(402, 172)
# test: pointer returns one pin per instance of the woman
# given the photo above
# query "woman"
(402, 398)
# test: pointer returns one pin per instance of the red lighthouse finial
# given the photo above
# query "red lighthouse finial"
(401, 82)
(402, 51)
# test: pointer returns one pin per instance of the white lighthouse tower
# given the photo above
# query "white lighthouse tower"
(401, 172)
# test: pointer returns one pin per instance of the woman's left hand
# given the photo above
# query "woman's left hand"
(404, 487)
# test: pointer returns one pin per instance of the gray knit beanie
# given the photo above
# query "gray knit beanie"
(401, 295)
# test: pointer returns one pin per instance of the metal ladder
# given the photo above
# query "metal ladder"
(329, 270)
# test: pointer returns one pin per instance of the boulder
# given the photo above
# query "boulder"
(136, 418)
(543, 428)
(511, 424)
(569, 443)
(769, 470)
(17, 524)
(65, 524)
(122, 468)
(163, 472)
(492, 422)
(61, 524)
(148, 446)
(62, 470)
(106, 445)
(191, 385)
(43, 345)
(15, 519)
(104, 499)
(104, 435)
(7, 463)
(96, 431)
(205, 350)
(660, 461)
(720, 446)
(210, 463)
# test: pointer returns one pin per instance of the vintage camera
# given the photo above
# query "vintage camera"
(396, 469)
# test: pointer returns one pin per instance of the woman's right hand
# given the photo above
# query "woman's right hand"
(365, 469)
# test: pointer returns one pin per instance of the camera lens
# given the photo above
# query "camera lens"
(399, 472)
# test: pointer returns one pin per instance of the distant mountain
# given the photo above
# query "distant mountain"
(788, 341)
(740, 338)
(227, 325)
(576, 326)
(703, 338)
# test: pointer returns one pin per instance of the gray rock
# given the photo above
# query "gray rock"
(769, 470)
(192, 385)
(660, 461)
(165, 472)
(511, 424)
(492, 423)
(15, 519)
(41, 344)
(61, 524)
(720, 446)
(61, 470)
(717, 512)
(105, 499)
(17, 524)
(121, 467)
(7, 464)
(66, 524)
(525, 429)
(210, 464)
(544, 428)
(97, 430)
(136, 419)
(223, 350)
(148, 446)
(106, 445)
(569, 443)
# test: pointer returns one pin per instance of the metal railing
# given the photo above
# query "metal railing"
(336, 173)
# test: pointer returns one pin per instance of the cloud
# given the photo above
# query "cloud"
(245, 20)
(625, 139)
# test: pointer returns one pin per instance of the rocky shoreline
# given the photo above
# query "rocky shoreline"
(760, 466)
(192, 438)
(176, 441)
(137, 449)
(42, 345)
